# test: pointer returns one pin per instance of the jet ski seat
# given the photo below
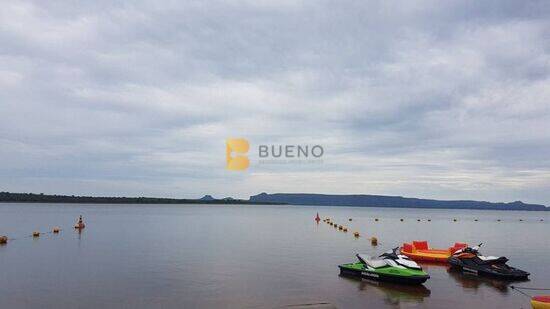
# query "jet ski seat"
(374, 263)
(492, 259)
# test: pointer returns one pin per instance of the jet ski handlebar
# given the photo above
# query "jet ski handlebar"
(474, 250)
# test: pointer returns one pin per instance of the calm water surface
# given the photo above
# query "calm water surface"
(212, 256)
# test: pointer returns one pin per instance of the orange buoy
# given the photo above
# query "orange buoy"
(345, 229)
(80, 224)
(56, 229)
(3, 240)
(356, 234)
(374, 241)
(35, 234)
(540, 302)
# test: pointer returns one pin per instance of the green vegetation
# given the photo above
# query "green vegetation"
(45, 198)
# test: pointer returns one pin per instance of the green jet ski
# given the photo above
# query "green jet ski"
(389, 267)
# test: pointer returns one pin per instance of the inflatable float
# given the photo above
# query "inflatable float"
(419, 250)
(540, 302)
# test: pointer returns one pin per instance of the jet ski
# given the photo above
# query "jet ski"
(389, 267)
(470, 260)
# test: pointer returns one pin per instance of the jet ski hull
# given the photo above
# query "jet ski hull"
(503, 272)
(386, 274)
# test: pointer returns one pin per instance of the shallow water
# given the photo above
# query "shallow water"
(242, 256)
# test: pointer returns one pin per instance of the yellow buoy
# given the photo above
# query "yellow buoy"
(356, 234)
(56, 229)
(345, 230)
(35, 234)
(340, 227)
(3, 240)
(374, 241)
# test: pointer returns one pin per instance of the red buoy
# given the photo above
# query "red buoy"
(317, 218)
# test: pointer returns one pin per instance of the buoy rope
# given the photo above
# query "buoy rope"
(364, 236)
(31, 236)
(526, 288)
(520, 288)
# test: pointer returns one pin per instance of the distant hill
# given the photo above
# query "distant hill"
(386, 201)
(207, 198)
(45, 198)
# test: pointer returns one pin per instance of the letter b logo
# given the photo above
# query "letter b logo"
(240, 147)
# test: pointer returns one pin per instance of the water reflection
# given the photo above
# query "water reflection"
(473, 282)
(393, 294)
(470, 281)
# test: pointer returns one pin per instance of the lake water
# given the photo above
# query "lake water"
(242, 256)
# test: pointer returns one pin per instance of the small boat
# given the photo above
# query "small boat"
(389, 267)
(540, 302)
(420, 251)
(471, 261)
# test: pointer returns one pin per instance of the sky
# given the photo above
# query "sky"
(431, 99)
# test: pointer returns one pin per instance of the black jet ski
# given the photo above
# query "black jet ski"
(470, 260)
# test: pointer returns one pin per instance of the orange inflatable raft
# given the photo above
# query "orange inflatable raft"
(420, 251)
(540, 302)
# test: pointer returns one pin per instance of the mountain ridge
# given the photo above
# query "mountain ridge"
(367, 200)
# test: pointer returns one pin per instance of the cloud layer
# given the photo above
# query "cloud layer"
(443, 100)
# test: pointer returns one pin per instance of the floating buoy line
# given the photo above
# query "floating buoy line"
(345, 229)
(374, 240)
(36, 234)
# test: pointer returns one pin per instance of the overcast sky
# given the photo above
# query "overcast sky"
(434, 99)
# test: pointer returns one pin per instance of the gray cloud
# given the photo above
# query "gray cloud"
(443, 100)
